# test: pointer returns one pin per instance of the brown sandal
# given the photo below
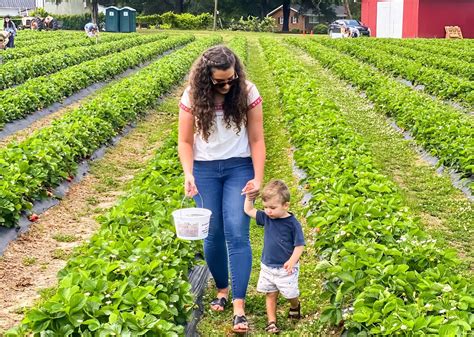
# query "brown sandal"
(272, 328)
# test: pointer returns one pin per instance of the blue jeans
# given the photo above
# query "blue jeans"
(220, 183)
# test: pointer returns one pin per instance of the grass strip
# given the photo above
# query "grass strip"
(278, 165)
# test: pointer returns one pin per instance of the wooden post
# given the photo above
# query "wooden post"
(215, 14)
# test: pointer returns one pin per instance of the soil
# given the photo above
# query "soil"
(39, 124)
(30, 264)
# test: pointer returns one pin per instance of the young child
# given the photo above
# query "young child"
(282, 248)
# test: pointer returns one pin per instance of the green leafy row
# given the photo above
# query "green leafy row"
(240, 46)
(383, 275)
(443, 131)
(42, 91)
(456, 49)
(18, 71)
(30, 168)
(24, 40)
(455, 66)
(436, 81)
(47, 46)
(131, 278)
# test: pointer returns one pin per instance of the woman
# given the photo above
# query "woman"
(9, 26)
(222, 151)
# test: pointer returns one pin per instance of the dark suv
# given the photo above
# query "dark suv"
(335, 27)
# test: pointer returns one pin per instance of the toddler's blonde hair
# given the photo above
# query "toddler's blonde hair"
(276, 188)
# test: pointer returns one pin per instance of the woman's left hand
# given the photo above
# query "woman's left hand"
(251, 189)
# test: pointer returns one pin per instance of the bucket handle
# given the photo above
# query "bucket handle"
(202, 201)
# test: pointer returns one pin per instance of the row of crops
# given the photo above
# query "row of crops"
(130, 278)
(444, 131)
(31, 168)
(442, 83)
(383, 275)
(19, 70)
(38, 92)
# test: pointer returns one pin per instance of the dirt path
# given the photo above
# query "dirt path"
(29, 266)
(39, 124)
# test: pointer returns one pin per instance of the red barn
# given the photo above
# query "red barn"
(418, 18)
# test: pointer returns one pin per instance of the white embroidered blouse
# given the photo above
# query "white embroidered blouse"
(223, 142)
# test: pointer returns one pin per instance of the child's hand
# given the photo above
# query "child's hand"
(289, 266)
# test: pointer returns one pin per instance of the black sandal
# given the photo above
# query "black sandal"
(240, 320)
(272, 328)
(295, 313)
(221, 302)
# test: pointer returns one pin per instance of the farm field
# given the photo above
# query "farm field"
(375, 138)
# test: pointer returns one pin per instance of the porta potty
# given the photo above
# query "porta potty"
(112, 19)
(128, 20)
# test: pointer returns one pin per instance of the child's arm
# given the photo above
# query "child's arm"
(293, 259)
(249, 208)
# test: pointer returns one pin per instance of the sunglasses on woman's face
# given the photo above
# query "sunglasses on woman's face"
(222, 84)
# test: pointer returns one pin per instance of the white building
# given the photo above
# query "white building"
(24, 7)
(16, 7)
(66, 7)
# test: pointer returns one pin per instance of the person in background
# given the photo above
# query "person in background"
(50, 23)
(9, 27)
(91, 29)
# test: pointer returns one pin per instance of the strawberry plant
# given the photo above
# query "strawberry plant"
(26, 40)
(443, 131)
(131, 278)
(454, 65)
(46, 45)
(42, 91)
(239, 46)
(435, 81)
(30, 168)
(383, 274)
(18, 71)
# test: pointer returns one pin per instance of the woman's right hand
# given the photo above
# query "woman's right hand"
(190, 189)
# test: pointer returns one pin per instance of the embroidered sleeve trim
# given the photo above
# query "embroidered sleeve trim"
(184, 107)
(256, 102)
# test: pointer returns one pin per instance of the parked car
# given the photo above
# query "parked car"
(352, 28)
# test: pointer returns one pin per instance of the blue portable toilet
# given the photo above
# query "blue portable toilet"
(112, 19)
(128, 20)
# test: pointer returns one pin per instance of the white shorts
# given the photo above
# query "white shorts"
(278, 279)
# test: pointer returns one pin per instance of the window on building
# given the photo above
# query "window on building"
(294, 19)
(313, 19)
(280, 20)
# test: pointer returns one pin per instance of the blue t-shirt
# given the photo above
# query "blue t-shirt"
(281, 236)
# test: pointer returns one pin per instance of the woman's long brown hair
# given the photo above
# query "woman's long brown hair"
(202, 91)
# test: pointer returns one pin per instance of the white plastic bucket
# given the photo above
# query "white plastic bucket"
(192, 223)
